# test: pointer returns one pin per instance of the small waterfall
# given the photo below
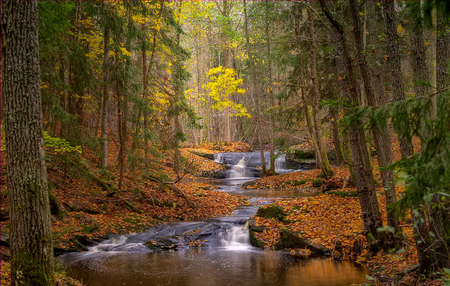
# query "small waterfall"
(280, 164)
(240, 170)
(236, 238)
(118, 244)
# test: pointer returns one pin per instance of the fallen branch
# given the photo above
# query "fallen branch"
(133, 207)
(171, 185)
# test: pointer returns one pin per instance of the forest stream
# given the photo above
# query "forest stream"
(210, 252)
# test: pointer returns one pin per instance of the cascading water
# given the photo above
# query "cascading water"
(248, 165)
(206, 253)
(236, 238)
(240, 170)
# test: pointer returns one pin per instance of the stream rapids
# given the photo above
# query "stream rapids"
(225, 256)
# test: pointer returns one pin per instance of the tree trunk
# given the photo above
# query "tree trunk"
(380, 132)
(303, 90)
(420, 228)
(336, 141)
(226, 64)
(104, 134)
(440, 209)
(29, 208)
(421, 71)
(252, 89)
(144, 94)
(325, 164)
(272, 100)
(394, 65)
(363, 172)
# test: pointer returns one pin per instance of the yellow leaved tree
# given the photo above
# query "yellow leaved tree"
(222, 86)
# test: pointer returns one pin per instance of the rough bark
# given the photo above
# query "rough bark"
(440, 210)
(380, 132)
(325, 164)
(29, 209)
(394, 65)
(363, 172)
(336, 140)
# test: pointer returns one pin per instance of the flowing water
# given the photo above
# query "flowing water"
(225, 257)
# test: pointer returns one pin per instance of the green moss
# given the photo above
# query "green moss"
(31, 270)
(344, 194)
(254, 241)
(298, 182)
(271, 211)
(304, 154)
(317, 183)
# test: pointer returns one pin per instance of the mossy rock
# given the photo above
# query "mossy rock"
(317, 183)
(254, 241)
(304, 154)
(204, 155)
(271, 211)
(290, 239)
(298, 182)
(249, 184)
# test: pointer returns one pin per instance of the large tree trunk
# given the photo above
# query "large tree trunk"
(363, 171)
(421, 235)
(325, 164)
(380, 132)
(104, 134)
(440, 215)
(29, 208)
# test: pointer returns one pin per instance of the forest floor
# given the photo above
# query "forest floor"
(89, 207)
(86, 211)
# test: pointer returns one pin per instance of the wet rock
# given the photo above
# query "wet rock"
(255, 241)
(213, 174)
(249, 184)
(164, 243)
(294, 240)
(271, 211)
(4, 239)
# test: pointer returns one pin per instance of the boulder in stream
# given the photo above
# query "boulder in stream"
(293, 240)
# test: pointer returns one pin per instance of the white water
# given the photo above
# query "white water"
(236, 238)
(240, 170)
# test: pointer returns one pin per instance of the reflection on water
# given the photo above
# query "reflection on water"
(207, 266)
(227, 259)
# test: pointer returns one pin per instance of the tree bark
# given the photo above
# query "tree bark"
(303, 90)
(394, 65)
(325, 164)
(252, 89)
(363, 171)
(380, 132)
(29, 208)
